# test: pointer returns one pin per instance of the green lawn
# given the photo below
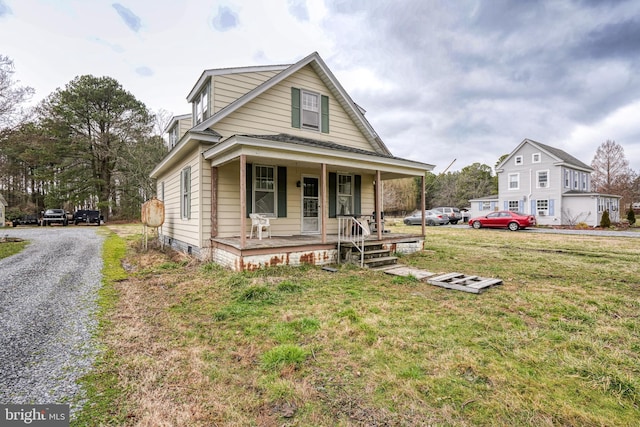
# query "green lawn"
(11, 248)
(557, 344)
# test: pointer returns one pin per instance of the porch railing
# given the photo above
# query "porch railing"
(353, 230)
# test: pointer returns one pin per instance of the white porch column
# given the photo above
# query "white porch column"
(243, 201)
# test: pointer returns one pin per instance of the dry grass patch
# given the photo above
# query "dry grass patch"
(557, 344)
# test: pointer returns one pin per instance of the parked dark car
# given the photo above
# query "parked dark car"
(504, 219)
(87, 216)
(26, 220)
(453, 213)
(54, 216)
(430, 218)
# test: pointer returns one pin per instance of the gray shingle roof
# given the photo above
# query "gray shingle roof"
(291, 139)
(562, 155)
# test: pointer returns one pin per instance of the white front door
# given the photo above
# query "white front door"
(310, 204)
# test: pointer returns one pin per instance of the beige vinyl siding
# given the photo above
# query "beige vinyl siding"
(183, 126)
(174, 226)
(270, 113)
(229, 202)
(229, 87)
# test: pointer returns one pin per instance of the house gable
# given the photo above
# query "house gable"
(527, 148)
(316, 74)
(271, 112)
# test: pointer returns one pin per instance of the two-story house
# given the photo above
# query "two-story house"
(549, 183)
(286, 142)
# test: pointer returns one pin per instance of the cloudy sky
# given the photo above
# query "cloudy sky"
(440, 80)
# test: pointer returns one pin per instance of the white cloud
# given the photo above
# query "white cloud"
(439, 80)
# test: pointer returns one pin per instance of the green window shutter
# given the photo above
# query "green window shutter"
(333, 188)
(249, 189)
(282, 192)
(295, 107)
(324, 108)
(357, 185)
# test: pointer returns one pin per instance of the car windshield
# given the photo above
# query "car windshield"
(54, 211)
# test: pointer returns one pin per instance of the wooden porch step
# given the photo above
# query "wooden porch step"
(380, 261)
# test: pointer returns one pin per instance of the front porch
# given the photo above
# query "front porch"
(251, 254)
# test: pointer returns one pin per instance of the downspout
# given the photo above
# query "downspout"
(530, 191)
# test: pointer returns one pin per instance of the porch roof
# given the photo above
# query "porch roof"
(289, 148)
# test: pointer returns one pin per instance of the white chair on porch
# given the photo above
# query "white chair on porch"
(259, 223)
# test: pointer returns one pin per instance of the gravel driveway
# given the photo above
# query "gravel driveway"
(47, 313)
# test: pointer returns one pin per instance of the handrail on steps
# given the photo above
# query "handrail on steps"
(354, 231)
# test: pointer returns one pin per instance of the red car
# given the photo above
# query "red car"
(504, 219)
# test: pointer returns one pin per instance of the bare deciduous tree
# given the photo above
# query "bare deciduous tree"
(12, 96)
(612, 174)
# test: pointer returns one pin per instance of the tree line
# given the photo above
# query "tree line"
(92, 145)
(89, 145)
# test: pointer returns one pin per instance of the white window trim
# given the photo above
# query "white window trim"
(542, 210)
(273, 214)
(519, 160)
(517, 175)
(338, 193)
(517, 205)
(318, 112)
(533, 158)
(185, 193)
(201, 109)
(547, 185)
(486, 206)
(567, 178)
(173, 136)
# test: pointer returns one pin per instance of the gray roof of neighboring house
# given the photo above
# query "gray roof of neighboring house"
(562, 155)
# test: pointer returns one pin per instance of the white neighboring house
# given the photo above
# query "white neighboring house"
(549, 183)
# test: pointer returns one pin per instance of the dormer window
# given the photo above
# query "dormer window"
(201, 105)
(173, 136)
(518, 160)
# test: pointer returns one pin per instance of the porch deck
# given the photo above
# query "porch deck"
(297, 249)
(279, 242)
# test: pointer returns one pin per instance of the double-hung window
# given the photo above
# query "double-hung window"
(345, 194)
(486, 206)
(567, 178)
(264, 190)
(543, 179)
(514, 181)
(514, 205)
(173, 136)
(310, 110)
(185, 193)
(201, 105)
(519, 160)
(536, 158)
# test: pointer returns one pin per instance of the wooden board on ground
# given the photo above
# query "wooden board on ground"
(461, 282)
(409, 271)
